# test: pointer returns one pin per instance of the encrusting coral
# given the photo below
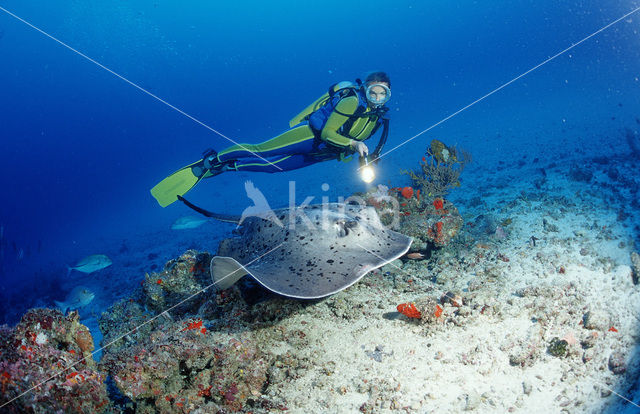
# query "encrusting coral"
(46, 366)
(182, 367)
(432, 222)
(180, 279)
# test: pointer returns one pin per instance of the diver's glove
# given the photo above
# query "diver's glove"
(359, 147)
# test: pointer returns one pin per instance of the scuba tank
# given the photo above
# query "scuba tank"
(340, 88)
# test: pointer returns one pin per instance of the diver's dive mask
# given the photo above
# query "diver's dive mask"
(377, 94)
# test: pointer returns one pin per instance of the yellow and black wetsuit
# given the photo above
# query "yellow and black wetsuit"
(303, 144)
(321, 132)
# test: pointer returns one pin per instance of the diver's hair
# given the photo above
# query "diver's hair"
(374, 77)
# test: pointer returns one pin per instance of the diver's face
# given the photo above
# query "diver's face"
(377, 93)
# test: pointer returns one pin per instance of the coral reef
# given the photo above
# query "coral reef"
(192, 358)
(180, 279)
(124, 324)
(440, 169)
(432, 222)
(530, 303)
(154, 363)
(422, 212)
(47, 356)
(182, 367)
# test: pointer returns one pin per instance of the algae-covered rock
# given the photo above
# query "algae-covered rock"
(125, 323)
(426, 309)
(180, 279)
(558, 347)
(617, 363)
(596, 319)
(430, 310)
(53, 350)
(184, 362)
(434, 223)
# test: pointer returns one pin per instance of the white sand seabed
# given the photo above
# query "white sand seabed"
(363, 356)
(454, 368)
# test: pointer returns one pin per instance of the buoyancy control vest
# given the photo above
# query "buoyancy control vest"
(318, 112)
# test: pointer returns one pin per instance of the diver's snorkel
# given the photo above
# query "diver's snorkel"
(367, 173)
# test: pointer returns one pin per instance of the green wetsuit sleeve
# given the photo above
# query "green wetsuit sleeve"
(330, 131)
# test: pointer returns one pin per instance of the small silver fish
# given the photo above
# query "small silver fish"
(188, 222)
(91, 264)
(79, 297)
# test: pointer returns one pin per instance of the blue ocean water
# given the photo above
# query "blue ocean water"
(81, 147)
(101, 100)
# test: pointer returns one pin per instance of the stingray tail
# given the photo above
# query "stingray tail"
(206, 213)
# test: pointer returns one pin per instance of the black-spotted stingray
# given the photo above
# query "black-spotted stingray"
(305, 252)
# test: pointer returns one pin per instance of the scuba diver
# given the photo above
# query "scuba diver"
(332, 127)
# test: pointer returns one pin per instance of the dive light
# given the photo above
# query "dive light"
(366, 170)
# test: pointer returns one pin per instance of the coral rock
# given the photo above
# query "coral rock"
(84, 340)
(635, 267)
(180, 279)
(617, 363)
(558, 347)
(42, 349)
(433, 224)
(596, 320)
(182, 361)
(451, 298)
(430, 311)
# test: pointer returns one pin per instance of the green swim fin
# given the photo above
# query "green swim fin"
(179, 183)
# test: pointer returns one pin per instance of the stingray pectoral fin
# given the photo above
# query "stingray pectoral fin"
(225, 271)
